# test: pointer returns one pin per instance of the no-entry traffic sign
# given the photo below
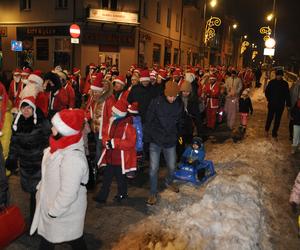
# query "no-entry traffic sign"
(75, 31)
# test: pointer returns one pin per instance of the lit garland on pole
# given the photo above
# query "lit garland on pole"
(209, 31)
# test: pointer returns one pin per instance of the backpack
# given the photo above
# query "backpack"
(137, 124)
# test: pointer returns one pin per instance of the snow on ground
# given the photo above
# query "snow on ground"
(244, 207)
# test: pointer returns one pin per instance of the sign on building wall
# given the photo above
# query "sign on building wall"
(113, 16)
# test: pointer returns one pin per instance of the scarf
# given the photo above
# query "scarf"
(63, 142)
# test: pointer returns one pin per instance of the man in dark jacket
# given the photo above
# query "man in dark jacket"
(142, 93)
(278, 96)
(162, 128)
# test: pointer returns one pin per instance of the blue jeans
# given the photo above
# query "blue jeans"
(170, 158)
(296, 135)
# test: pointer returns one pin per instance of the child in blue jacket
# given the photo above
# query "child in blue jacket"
(194, 154)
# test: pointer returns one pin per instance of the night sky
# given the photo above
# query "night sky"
(250, 14)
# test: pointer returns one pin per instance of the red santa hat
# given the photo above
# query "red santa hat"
(97, 83)
(133, 108)
(68, 121)
(36, 78)
(120, 79)
(153, 74)
(17, 71)
(92, 66)
(120, 107)
(145, 76)
(137, 71)
(30, 100)
(25, 71)
(162, 74)
(76, 71)
(177, 73)
(103, 66)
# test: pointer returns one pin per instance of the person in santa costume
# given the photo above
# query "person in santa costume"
(88, 80)
(61, 194)
(119, 92)
(100, 90)
(76, 83)
(29, 138)
(119, 155)
(211, 91)
(55, 95)
(14, 87)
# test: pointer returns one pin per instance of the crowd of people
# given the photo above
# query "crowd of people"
(49, 121)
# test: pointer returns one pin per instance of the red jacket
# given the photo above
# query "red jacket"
(58, 102)
(14, 92)
(70, 94)
(123, 139)
(106, 112)
(212, 93)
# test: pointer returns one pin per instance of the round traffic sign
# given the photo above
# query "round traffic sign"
(75, 31)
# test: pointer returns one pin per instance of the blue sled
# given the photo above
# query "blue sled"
(196, 175)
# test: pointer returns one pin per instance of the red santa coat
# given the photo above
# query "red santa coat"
(58, 103)
(212, 92)
(14, 92)
(70, 93)
(87, 85)
(123, 139)
(106, 113)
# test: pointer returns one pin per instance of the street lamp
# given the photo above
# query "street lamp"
(213, 3)
(245, 36)
(234, 26)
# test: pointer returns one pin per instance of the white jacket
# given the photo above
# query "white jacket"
(233, 86)
(61, 194)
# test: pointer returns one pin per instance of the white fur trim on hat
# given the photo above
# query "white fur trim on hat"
(62, 127)
(145, 79)
(118, 112)
(93, 87)
(119, 81)
(132, 111)
(35, 78)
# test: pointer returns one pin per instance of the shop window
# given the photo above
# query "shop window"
(61, 4)
(158, 11)
(25, 4)
(177, 22)
(42, 49)
(169, 15)
(145, 8)
(109, 4)
(62, 53)
(175, 56)
(156, 53)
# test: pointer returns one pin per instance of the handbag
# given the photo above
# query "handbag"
(12, 225)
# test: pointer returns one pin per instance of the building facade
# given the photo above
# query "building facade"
(121, 32)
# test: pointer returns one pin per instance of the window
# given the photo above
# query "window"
(42, 49)
(177, 22)
(169, 15)
(61, 4)
(145, 8)
(109, 4)
(156, 53)
(25, 4)
(175, 56)
(158, 12)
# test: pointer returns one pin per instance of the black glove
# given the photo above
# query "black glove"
(109, 145)
(195, 163)
(11, 164)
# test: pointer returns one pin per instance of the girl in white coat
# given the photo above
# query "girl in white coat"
(61, 194)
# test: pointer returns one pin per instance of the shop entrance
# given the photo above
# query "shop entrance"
(109, 58)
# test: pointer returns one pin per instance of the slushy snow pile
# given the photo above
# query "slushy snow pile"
(229, 216)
